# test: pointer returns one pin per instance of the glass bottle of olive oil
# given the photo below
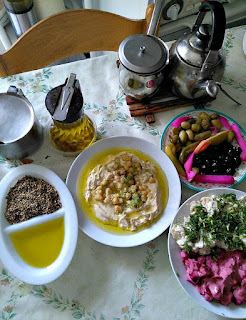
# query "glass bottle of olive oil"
(73, 137)
(72, 130)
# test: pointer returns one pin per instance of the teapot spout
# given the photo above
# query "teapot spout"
(205, 88)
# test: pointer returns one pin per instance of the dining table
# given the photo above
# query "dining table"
(105, 282)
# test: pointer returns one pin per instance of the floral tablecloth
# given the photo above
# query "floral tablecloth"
(102, 282)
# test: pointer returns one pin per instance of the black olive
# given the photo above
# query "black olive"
(230, 171)
(221, 157)
(215, 171)
(236, 161)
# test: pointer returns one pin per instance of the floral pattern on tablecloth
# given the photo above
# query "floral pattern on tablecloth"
(102, 282)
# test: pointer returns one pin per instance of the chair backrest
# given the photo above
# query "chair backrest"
(68, 33)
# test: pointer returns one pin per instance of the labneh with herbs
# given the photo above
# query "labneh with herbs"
(216, 221)
(125, 191)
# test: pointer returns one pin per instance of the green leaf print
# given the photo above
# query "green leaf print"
(120, 98)
(57, 301)
(228, 42)
(234, 84)
(108, 115)
(4, 272)
(77, 315)
(138, 124)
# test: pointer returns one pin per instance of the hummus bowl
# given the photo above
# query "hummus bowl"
(39, 249)
(128, 238)
(232, 310)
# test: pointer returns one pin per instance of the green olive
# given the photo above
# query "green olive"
(185, 125)
(195, 127)
(198, 120)
(174, 139)
(205, 124)
(214, 116)
(202, 136)
(183, 136)
(175, 131)
(230, 136)
(216, 123)
(190, 134)
(203, 115)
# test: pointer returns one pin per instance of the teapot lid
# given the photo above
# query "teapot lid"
(193, 48)
(143, 54)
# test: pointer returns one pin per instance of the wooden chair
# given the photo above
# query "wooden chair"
(68, 33)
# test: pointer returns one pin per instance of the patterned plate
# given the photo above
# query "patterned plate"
(240, 171)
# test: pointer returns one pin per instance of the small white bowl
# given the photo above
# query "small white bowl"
(232, 311)
(9, 256)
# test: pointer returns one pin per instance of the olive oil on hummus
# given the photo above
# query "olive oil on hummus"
(122, 190)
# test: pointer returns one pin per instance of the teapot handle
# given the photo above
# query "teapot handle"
(218, 23)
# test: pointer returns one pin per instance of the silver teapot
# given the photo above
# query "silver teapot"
(197, 60)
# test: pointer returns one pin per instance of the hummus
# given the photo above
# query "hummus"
(124, 191)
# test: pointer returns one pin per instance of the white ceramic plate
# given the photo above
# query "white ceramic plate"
(138, 238)
(240, 173)
(8, 254)
(231, 311)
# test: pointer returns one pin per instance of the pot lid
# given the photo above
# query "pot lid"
(16, 117)
(193, 48)
(143, 54)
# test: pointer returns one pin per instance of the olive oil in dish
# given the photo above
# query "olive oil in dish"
(40, 245)
(87, 206)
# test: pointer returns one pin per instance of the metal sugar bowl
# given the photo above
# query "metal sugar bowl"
(142, 60)
(20, 132)
(70, 130)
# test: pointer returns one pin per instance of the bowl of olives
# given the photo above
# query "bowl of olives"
(207, 147)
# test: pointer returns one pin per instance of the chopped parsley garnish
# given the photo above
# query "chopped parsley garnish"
(128, 179)
(187, 248)
(123, 194)
(134, 203)
(226, 225)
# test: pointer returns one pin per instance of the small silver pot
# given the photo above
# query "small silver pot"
(20, 133)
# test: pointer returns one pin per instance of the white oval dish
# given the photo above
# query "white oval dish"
(148, 234)
(232, 311)
(8, 255)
